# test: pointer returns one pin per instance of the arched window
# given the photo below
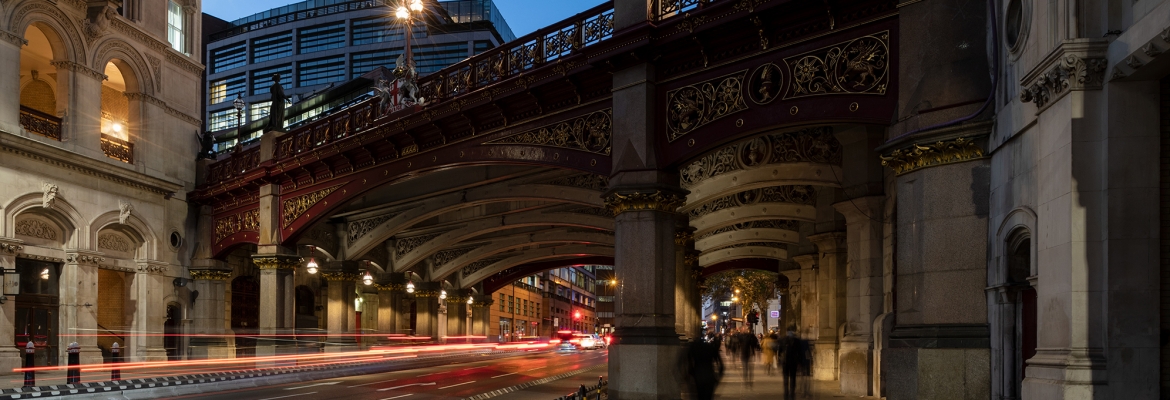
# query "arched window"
(38, 84)
(116, 113)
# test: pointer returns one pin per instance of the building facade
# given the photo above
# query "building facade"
(317, 44)
(538, 306)
(99, 143)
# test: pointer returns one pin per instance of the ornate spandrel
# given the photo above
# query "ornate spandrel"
(297, 206)
(408, 244)
(359, 228)
(690, 107)
(920, 156)
(445, 256)
(590, 133)
(858, 66)
(812, 145)
(481, 264)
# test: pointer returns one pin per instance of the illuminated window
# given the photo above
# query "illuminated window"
(226, 89)
(221, 120)
(175, 31)
(258, 110)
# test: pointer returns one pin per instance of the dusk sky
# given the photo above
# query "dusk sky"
(524, 16)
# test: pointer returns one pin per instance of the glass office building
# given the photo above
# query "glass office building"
(317, 44)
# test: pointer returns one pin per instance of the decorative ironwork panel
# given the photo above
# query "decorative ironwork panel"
(858, 66)
(247, 221)
(481, 264)
(40, 123)
(690, 107)
(118, 149)
(589, 133)
(408, 244)
(597, 28)
(297, 206)
(814, 145)
(794, 194)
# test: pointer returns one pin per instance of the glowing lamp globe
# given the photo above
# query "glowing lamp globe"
(416, 5)
(409, 287)
(311, 266)
(402, 13)
(368, 279)
(442, 295)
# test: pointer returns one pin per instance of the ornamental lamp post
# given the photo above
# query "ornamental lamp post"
(239, 105)
(405, 13)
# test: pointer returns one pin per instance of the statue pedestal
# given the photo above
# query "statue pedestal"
(268, 145)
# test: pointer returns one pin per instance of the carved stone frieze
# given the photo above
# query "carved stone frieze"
(690, 107)
(247, 221)
(858, 66)
(79, 68)
(276, 262)
(408, 244)
(785, 224)
(445, 256)
(75, 258)
(10, 248)
(148, 268)
(590, 133)
(644, 201)
(920, 156)
(481, 264)
(793, 194)
(210, 275)
(812, 145)
(1071, 72)
(585, 181)
(36, 228)
(295, 207)
(359, 228)
(110, 241)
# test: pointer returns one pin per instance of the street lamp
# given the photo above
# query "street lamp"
(311, 266)
(239, 104)
(442, 295)
(409, 287)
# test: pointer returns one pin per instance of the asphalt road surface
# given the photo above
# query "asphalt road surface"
(456, 380)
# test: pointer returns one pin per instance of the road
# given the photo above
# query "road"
(451, 381)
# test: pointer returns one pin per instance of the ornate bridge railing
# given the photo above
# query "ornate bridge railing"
(40, 123)
(665, 9)
(533, 51)
(118, 149)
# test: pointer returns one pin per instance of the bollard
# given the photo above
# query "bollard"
(115, 352)
(582, 392)
(73, 375)
(30, 377)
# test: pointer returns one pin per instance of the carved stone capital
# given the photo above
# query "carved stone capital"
(644, 201)
(919, 156)
(13, 38)
(152, 268)
(830, 242)
(340, 276)
(1072, 67)
(80, 68)
(276, 262)
(210, 274)
(11, 246)
(682, 237)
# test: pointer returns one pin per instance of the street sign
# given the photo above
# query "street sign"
(774, 314)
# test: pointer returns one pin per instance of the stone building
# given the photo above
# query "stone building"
(98, 136)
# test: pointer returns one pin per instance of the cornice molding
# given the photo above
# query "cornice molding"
(12, 38)
(69, 160)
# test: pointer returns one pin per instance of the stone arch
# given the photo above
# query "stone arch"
(1017, 225)
(464, 256)
(62, 32)
(130, 63)
(60, 213)
(495, 265)
(132, 228)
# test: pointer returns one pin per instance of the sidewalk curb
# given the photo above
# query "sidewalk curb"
(152, 388)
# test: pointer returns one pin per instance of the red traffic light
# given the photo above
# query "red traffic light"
(576, 315)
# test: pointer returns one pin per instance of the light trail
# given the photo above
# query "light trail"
(457, 384)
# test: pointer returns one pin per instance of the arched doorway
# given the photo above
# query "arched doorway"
(245, 314)
(172, 341)
(1019, 266)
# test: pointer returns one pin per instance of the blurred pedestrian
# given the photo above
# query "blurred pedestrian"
(704, 367)
(791, 363)
(769, 352)
(748, 346)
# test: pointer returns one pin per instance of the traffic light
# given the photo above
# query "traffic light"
(753, 317)
(576, 315)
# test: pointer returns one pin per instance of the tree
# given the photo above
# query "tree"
(756, 288)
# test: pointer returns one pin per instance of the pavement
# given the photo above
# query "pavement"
(529, 376)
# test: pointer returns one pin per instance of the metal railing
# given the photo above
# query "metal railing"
(118, 149)
(532, 51)
(596, 392)
(664, 9)
(40, 123)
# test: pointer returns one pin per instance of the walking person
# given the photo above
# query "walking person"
(704, 366)
(748, 346)
(791, 363)
(769, 352)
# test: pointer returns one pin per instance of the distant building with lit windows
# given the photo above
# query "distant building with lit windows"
(317, 44)
(539, 305)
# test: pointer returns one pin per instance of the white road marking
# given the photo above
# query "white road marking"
(432, 373)
(291, 395)
(309, 386)
(497, 376)
(413, 384)
(398, 397)
(373, 383)
(458, 384)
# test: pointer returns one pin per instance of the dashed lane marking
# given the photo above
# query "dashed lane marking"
(413, 384)
(497, 376)
(398, 397)
(457, 384)
(373, 383)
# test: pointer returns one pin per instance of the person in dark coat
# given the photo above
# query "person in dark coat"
(748, 346)
(705, 368)
(791, 362)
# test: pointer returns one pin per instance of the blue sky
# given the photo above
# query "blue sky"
(524, 16)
